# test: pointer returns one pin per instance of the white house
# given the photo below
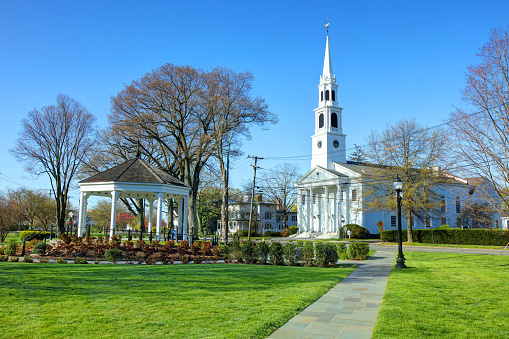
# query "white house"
(266, 215)
(330, 194)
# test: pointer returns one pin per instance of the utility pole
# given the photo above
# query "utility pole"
(252, 195)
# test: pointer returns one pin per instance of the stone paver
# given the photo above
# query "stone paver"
(349, 309)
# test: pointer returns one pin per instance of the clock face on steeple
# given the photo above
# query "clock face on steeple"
(319, 144)
(335, 143)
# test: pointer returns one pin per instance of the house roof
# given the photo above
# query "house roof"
(135, 171)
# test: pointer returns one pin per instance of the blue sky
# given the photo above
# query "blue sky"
(392, 60)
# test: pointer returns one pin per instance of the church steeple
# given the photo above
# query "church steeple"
(329, 140)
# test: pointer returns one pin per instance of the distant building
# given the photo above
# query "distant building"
(266, 216)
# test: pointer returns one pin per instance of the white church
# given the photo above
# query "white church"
(330, 193)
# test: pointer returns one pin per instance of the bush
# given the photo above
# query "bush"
(357, 232)
(244, 233)
(113, 255)
(358, 251)
(340, 248)
(29, 235)
(326, 254)
(4, 258)
(235, 252)
(293, 229)
(11, 248)
(271, 234)
(40, 248)
(308, 253)
(443, 227)
(14, 259)
(262, 250)
(276, 253)
(28, 259)
(453, 236)
(289, 252)
(61, 261)
(43, 261)
(247, 249)
(300, 243)
(80, 260)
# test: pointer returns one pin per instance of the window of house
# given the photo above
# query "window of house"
(354, 195)
(427, 222)
(294, 218)
(393, 221)
(458, 205)
(286, 218)
(333, 95)
(268, 215)
(268, 226)
(327, 95)
(334, 120)
(320, 121)
(444, 221)
(442, 203)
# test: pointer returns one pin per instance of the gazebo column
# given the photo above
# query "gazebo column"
(180, 224)
(184, 217)
(150, 215)
(159, 215)
(82, 221)
(113, 220)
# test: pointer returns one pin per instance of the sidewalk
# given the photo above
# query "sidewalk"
(349, 309)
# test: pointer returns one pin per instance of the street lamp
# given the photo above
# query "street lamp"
(398, 186)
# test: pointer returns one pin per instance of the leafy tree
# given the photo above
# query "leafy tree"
(56, 140)
(479, 130)
(10, 215)
(124, 219)
(358, 155)
(101, 212)
(476, 215)
(413, 152)
(209, 208)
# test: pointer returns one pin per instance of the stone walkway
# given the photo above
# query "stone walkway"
(349, 309)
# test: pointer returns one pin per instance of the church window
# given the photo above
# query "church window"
(321, 96)
(303, 199)
(333, 95)
(354, 195)
(458, 205)
(442, 203)
(334, 119)
(320, 120)
(393, 221)
(326, 95)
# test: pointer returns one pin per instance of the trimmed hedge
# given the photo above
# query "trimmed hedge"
(453, 236)
(29, 235)
(357, 232)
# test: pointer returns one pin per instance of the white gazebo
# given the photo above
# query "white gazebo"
(135, 179)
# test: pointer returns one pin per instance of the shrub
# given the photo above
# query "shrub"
(271, 234)
(340, 248)
(308, 253)
(2, 250)
(248, 252)
(443, 227)
(43, 261)
(300, 243)
(40, 248)
(80, 260)
(293, 229)
(244, 233)
(357, 232)
(358, 250)
(28, 259)
(29, 235)
(276, 253)
(289, 253)
(184, 259)
(196, 247)
(61, 261)
(12, 247)
(14, 259)
(113, 255)
(4, 258)
(197, 259)
(235, 252)
(326, 254)
(182, 247)
(262, 250)
(453, 236)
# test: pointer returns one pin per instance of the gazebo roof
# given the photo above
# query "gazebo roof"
(135, 171)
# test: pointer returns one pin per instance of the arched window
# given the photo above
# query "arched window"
(442, 203)
(321, 96)
(320, 121)
(333, 95)
(327, 95)
(334, 119)
(458, 205)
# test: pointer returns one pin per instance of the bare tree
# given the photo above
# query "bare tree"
(480, 130)
(414, 153)
(278, 184)
(55, 141)
(11, 214)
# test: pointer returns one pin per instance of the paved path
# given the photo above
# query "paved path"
(349, 309)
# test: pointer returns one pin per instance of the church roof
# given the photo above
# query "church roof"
(327, 63)
(135, 171)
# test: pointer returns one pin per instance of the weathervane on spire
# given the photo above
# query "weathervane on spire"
(327, 26)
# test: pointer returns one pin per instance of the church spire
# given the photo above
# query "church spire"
(327, 63)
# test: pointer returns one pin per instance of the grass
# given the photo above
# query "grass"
(183, 301)
(446, 295)
(447, 245)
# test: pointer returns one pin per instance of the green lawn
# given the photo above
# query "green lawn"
(130, 301)
(446, 295)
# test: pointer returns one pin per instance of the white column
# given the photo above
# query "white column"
(335, 211)
(184, 217)
(82, 221)
(180, 228)
(310, 210)
(113, 221)
(347, 204)
(299, 210)
(150, 215)
(339, 212)
(327, 210)
(159, 215)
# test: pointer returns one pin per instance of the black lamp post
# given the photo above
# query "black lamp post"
(398, 185)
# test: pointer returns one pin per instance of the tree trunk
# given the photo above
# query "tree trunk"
(410, 236)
